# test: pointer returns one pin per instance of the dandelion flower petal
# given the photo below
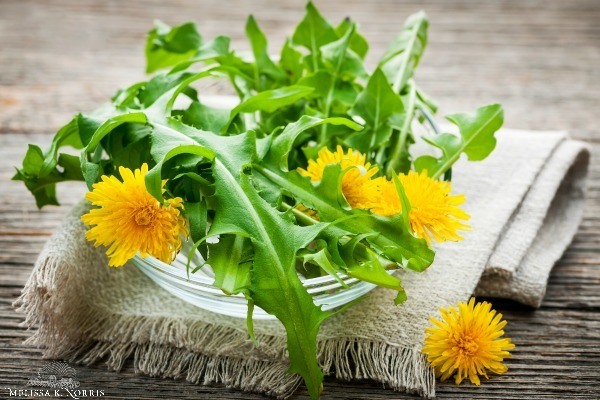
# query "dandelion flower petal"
(128, 220)
(466, 343)
(358, 187)
(434, 214)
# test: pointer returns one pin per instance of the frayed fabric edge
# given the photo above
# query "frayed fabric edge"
(72, 334)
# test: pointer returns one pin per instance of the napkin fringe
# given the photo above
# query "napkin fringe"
(402, 368)
(85, 334)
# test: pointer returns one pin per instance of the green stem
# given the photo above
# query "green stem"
(377, 123)
(401, 143)
(313, 48)
(405, 61)
(300, 215)
(327, 110)
(334, 79)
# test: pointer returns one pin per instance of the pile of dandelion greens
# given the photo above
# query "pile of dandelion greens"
(311, 172)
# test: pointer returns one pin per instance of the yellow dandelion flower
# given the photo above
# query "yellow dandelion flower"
(434, 212)
(357, 186)
(129, 220)
(467, 343)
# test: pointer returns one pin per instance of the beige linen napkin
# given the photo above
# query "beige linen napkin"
(540, 229)
(85, 311)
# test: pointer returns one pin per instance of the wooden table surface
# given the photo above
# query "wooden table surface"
(540, 59)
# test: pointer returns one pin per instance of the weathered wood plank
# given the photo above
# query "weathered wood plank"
(542, 59)
(539, 59)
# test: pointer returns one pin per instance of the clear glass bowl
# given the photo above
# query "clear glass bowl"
(198, 288)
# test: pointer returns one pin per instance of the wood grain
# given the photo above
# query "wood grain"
(538, 58)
